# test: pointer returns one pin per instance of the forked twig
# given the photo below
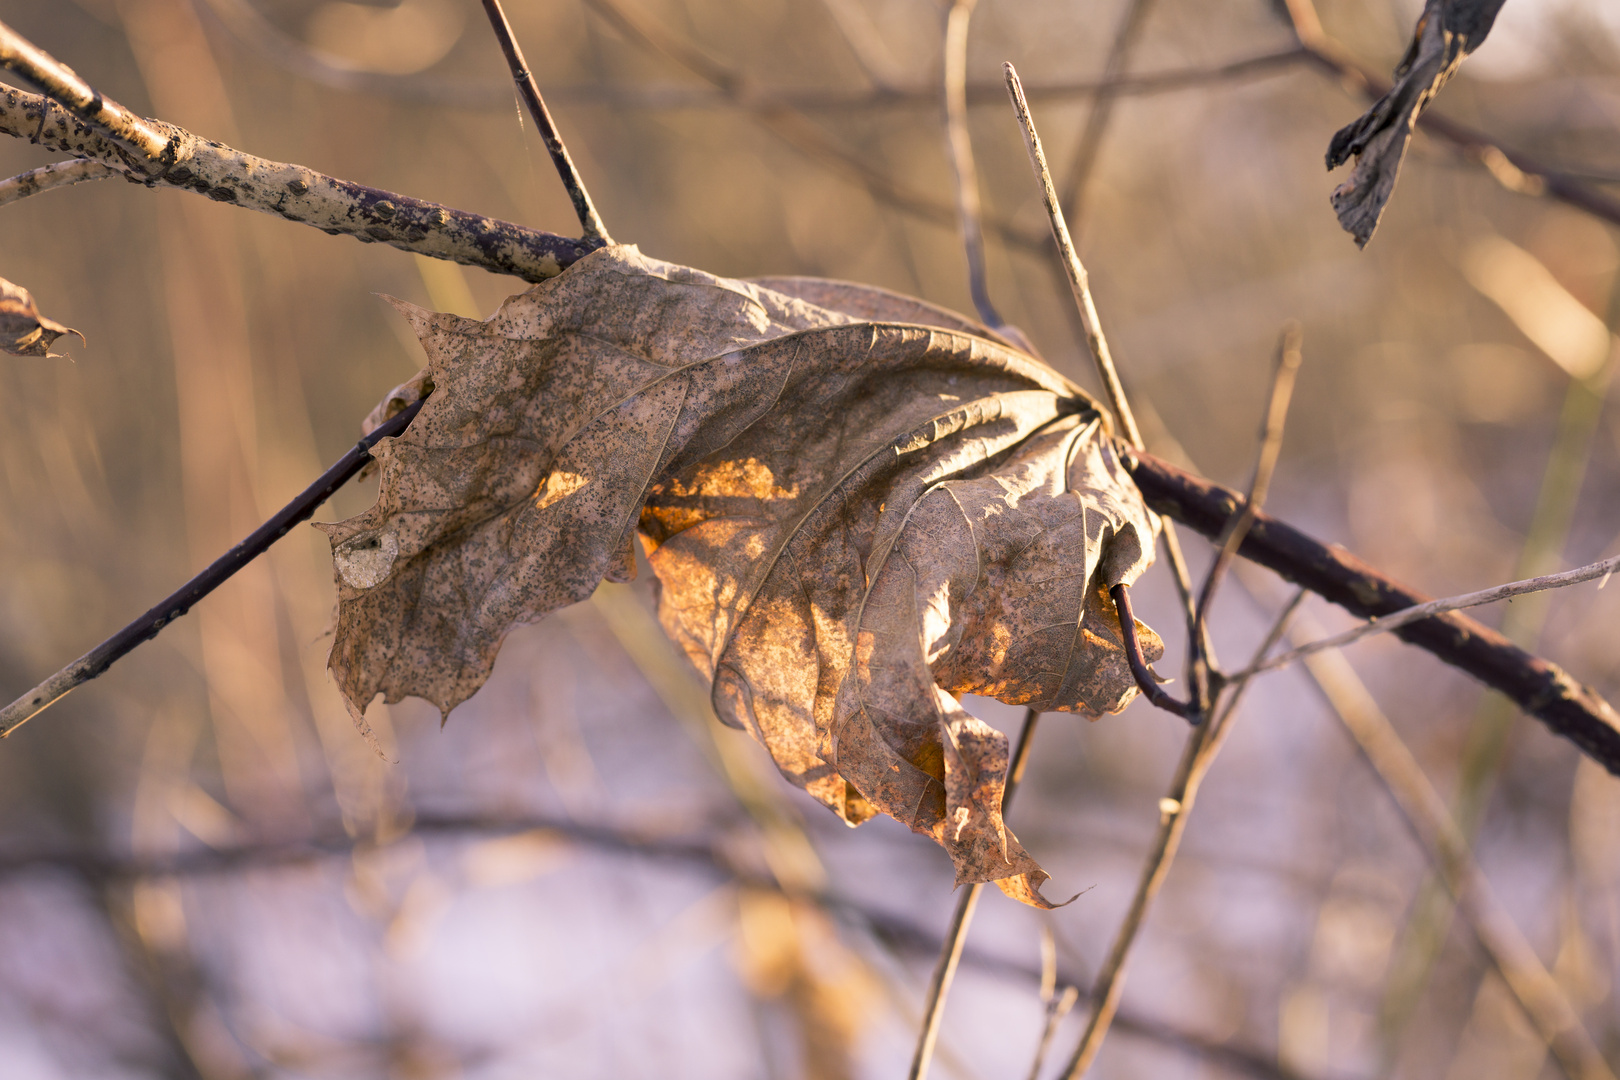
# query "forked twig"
(151, 149)
(1603, 569)
(100, 658)
(950, 953)
(589, 220)
(1289, 358)
(1203, 745)
(55, 175)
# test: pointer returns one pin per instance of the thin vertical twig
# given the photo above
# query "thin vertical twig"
(1088, 149)
(1203, 745)
(1289, 357)
(950, 953)
(960, 147)
(1080, 285)
(589, 220)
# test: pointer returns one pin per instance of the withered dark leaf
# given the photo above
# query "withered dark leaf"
(857, 506)
(23, 330)
(1447, 31)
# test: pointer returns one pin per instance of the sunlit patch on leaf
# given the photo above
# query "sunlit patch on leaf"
(857, 506)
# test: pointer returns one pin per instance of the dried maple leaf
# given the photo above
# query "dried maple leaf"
(857, 505)
(23, 330)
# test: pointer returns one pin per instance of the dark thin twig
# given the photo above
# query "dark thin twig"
(1203, 744)
(950, 953)
(100, 658)
(1097, 343)
(1289, 357)
(1143, 674)
(589, 220)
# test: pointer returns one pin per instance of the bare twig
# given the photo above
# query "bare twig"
(243, 21)
(1555, 1018)
(1102, 107)
(1057, 1007)
(1271, 437)
(960, 147)
(1143, 674)
(1203, 745)
(1080, 285)
(950, 953)
(589, 220)
(301, 195)
(1600, 569)
(798, 130)
(55, 175)
(1538, 686)
(99, 659)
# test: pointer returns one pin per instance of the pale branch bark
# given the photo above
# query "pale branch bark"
(93, 663)
(55, 175)
(1540, 687)
(1603, 569)
(337, 207)
(589, 220)
(1554, 1016)
(950, 952)
(147, 147)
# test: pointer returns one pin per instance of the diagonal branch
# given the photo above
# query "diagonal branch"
(55, 175)
(95, 662)
(338, 207)
(1538, 686)
(1602, 569)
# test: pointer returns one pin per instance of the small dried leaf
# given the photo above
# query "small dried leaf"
(857, 506)
(23, 330)
(1447, 31)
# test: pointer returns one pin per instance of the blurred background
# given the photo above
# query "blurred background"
(206, 873)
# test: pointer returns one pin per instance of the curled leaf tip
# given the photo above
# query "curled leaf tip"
(23, 330)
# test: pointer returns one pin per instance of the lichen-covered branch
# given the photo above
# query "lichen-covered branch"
(338, 207)
(55, 175)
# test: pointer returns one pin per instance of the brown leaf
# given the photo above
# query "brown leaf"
(857, 505)
(1447, 31)
(23, 330)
